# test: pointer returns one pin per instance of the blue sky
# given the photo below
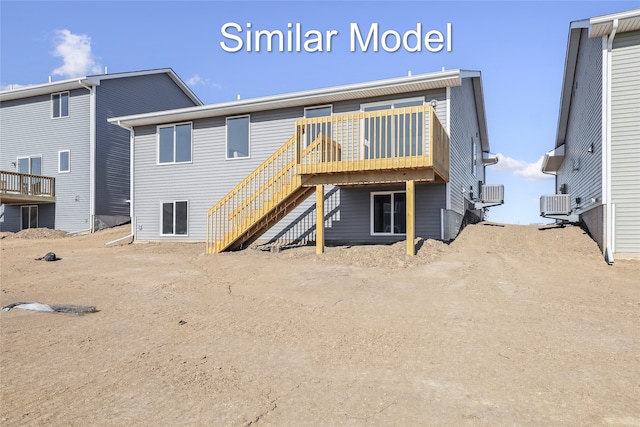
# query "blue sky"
(518, 46)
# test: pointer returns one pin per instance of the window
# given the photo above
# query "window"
(60, 104)
(174, 218)
(388, 213)
(237, 137)
(64, 161)
(174, 143)
(314, 130)
(30, 165)
(29, 217)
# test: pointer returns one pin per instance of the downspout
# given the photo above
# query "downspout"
(131, 180)
(92, 153)
(607, 172)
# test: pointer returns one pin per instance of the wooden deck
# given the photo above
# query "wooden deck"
(404, 145)
(21, 188)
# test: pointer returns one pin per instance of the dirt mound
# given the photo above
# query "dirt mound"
(37, 233)
(545, 244)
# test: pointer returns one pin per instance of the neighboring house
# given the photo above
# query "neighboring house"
(387, 160)
(596, 159)
(62, 165)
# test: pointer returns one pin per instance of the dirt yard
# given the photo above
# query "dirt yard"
(508, 325)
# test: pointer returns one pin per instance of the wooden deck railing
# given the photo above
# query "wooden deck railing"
(16, 184)
(401, 138)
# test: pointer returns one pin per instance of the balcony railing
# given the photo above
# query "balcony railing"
(21, 188)
(394, 139)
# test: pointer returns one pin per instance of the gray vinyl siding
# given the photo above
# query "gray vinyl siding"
(464, 130)
(625, 141)
(581, 170)
(119, 97)
(27, 129)
(210, 176)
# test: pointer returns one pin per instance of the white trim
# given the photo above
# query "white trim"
(92, 156)
(226, 137)
(68, 161)
(173, 125)
(371, 210)
(448, 114)
(162, 203)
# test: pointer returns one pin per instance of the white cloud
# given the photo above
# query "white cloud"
(75, 51)
(529, 171)
(11, 86)
(197, 80)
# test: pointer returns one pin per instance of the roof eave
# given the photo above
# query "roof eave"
(296, 99)
(46, 88)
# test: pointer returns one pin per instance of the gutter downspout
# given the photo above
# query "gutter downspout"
(607, 162)
(92, 154)
(131, 180)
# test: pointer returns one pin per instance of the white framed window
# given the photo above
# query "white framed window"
(64, 161)
(175, 143)
(314, 130)
(174, 218)
(238, 141)
(28, 217)
(60, 105)
(388, 213)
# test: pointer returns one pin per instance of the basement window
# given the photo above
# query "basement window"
(175, 218)
(388, 213)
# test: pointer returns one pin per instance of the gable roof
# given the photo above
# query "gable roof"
(597, 26)
(90, 81)
(393, 86)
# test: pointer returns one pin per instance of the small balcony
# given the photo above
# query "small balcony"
(393, 145)
(21, 188)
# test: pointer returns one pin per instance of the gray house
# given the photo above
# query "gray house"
(596, 159)
(62, 165)
(387, 160)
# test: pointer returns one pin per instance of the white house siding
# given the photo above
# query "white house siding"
(625, 141)
(581, 170)
(118, 97)
(27, 129)
(463, 132)
(210, 176)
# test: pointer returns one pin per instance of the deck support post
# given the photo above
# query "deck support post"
(319, 219)
(411, 210)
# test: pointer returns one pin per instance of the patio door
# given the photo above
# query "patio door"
(393, 135)
(29, 217)
(32, 166)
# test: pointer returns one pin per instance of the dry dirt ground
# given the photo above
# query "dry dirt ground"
(508, 325)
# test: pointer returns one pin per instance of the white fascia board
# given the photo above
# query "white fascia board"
(46, 88)
(305, 98)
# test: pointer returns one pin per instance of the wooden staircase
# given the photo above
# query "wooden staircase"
(262, 199)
